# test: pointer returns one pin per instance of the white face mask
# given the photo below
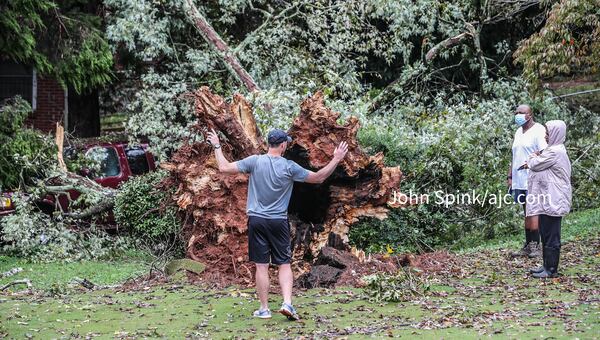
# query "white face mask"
(520, 119)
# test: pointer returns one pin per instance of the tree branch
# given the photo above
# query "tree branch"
(16, 282)
(221, 48)
(269, 18)
(91, 211)
(445, 44)
(67, 181)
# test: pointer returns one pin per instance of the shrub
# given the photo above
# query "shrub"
(24, 153)
(145, 211)
(13, 114)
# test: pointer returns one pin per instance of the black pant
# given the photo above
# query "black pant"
(550, 231)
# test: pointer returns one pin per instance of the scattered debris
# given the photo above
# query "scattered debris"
(12, 272)
(143, 282)
(18, 282)
(85, 283)
(404, 285)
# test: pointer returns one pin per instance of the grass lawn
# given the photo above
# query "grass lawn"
(575, 226)
(488, 294)
(50, 275)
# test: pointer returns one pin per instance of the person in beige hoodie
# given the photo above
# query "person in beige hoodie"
(549, 184)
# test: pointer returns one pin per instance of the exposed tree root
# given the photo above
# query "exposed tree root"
(214, 204)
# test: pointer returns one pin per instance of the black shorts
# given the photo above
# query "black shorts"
(269, 240)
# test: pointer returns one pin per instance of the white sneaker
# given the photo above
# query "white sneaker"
(262, 313)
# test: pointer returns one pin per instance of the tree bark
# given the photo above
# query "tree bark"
(214, 204)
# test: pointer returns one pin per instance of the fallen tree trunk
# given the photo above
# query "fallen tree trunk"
(221, 48)
(214, 204)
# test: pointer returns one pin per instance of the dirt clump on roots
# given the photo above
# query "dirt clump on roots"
(352, 271)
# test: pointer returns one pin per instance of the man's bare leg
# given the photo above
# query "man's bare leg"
(286, 281)
(262, 284)
(532, 223)
(531, 235)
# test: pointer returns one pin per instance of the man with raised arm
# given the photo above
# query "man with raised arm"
(269, 190)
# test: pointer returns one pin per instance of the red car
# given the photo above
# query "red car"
(118, 162)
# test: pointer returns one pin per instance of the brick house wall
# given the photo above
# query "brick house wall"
(47, 98)
(78, 112)
(50, 105)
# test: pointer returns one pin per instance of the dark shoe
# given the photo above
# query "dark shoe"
(536, 270)
(540, 268)
(523, 252)
(551, 258)
(535, 249)
(545, 274)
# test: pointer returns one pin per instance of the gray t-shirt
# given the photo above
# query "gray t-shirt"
(271, 183)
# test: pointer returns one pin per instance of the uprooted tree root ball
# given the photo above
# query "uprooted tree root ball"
(214, 204)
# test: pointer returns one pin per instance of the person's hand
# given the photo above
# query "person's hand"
(340, 152)
(509, 183)
(213, 138)
(524, 166)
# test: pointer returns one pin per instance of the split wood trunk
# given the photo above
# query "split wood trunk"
(214, 204)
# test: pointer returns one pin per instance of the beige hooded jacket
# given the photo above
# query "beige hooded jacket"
(549, 181)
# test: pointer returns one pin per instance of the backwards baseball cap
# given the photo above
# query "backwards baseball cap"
(278, 136)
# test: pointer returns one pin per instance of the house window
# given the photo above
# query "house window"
(17, 79)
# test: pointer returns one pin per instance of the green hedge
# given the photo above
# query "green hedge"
(146, 211)
(24, 153)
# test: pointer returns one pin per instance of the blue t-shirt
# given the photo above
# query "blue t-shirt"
(271, 183)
